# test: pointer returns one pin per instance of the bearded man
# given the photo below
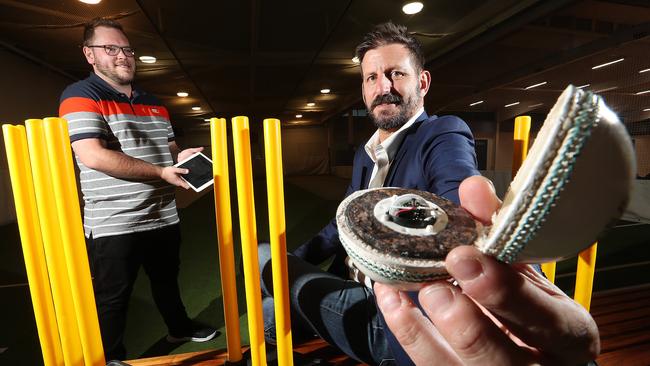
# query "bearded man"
(410, 150)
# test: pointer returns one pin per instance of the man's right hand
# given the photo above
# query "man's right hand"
(172, 175)
(499, 314)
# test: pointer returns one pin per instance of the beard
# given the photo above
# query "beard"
(117, 75)
(405, 109)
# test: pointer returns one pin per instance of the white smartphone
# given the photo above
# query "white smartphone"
(200, 175)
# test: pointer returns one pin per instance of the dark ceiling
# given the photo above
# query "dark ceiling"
(270, 58)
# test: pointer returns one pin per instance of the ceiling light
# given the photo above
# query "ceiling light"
(642, 92)
(148, 59)
(298, 115)
(607, 64)
(583, 86)
(196, 108)
(644, 70)
(511, 104)
(311, 104)
(325, 91)
(182, 94)
(355, 59)
(535, 85)
(92, 2)
(647, 110)
(535, 105)
(476, 103)
(412, 7)
(207, 120)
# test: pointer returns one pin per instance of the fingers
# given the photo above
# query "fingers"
(179, 171)
(532, 308)
(478, 197)
(413, 330)
(194, 150)
(172, 175)
(188, 152)
(472, 335)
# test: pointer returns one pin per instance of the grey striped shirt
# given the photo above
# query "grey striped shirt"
(138, 127)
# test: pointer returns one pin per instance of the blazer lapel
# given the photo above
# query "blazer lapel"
(366, 171)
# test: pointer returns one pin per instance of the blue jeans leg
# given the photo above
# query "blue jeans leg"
(340, 311)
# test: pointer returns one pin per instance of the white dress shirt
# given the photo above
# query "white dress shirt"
(382, 154)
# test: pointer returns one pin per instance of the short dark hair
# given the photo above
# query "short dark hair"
(89, 28)
(389, 33)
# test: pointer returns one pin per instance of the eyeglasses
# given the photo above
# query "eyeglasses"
(113, 50)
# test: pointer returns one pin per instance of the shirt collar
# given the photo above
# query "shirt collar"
(98, 80)
(392, 143)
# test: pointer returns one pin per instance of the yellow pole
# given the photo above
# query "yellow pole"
(52, 243)
(74, 244)
(520, 142)
(244, 175)
(277, 227)
(30, 235)
(585, 276)
(549, 270)
(224, 236)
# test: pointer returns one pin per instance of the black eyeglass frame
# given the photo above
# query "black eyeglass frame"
(128, 51)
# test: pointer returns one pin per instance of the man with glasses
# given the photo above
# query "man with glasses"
(125, 149)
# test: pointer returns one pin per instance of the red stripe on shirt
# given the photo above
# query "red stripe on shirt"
(78, 104)
(108, 108)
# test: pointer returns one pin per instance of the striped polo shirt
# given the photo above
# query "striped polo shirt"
(139, 127)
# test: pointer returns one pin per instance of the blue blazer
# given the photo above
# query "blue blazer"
(436, 154)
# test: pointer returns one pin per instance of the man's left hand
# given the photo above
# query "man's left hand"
(188, 152)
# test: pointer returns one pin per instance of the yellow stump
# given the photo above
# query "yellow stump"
(224, 236)
(244, 175)
(520, 142)
(74, 244)
(549, 270)
(277, 227)
(585, 276)
(30, 237)
(52, 243)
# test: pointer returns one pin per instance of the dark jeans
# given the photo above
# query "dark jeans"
(342, 312)
(115, 262)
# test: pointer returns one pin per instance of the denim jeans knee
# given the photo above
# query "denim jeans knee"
(264, 262)
(263, 254)
(268, 311)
